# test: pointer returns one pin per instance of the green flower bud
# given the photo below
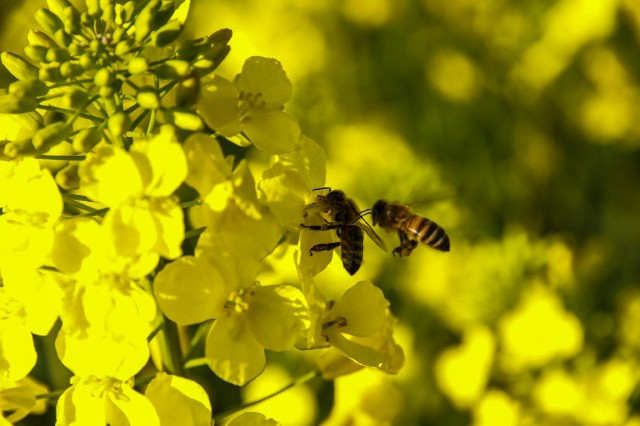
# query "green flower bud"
(58, 54)
(75, 98)
(75, 49)
(123, 47)
(38, 38)
(108, 14)
(96, 46)
(67, 177)
(118, 123)
(19, 67)
(21, 148)
(144, 22)
(28, 88)
(138, 65)
(71, 20)
(48, 20)
(51, 135)
(86, 20)
(188, 91)
(36, 53)
(189, 49)
(118, 34)
(128, 11)
(51, 117)
(106, 91)
(104, 77)
(210, 60)
(173, 69)
(166, 11)
(12, 104)
(50, 73)
(58, 6)
(184, 119)
(93, 8)
(69, 70)
(86, 139)
(87, 61)
(167, 34)
(147, 98)
(63, 38)
(221, 36)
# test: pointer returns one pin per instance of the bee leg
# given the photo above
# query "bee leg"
(324, 247)
(406, 245)
(324, 227)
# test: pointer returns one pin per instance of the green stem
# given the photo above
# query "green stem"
(155, 331)
(300, 380)
(202, 331)
(61, 157)
(70, 112)
(172, 353)
(51, 395)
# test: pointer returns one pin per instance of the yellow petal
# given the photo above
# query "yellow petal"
(233, 352)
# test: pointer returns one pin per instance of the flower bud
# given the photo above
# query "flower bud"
(210, 60)
(12, 104)
(48, 21)
(127, 12)
(69, 70)
(106, 91)
(123, 47)
(86, 20)
(15, 149)
(86, 139)
(104, 77)
(63, 38)
(184, 119)
(28, 88)
(58, 6)
(118, 123)
(188, 91)
(50, 73)
(221, 36)
(87, 61)
(167, 34)
(173, 69)
(67, 177)
(51, 135)
(75, 98)
(144, 21)
(71, 20)
(138, 65)
(147, 98)
(93, 8)
(38, 38)
(18, 67)
(58, 54)
(36, 53)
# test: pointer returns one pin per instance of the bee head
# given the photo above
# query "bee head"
(378, 212)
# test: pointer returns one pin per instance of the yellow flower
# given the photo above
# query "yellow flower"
(252, 105)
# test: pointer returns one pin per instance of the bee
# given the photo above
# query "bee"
(412, 228)
(347, 220)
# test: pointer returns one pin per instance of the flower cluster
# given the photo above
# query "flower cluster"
(122, 216)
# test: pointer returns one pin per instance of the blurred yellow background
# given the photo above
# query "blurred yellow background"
(513, 124)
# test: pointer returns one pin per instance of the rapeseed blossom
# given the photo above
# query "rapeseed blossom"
(124, 221)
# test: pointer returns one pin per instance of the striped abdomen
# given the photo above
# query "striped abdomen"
(427, 232)
(352, 247)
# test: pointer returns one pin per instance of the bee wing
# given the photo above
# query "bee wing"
(371, 233)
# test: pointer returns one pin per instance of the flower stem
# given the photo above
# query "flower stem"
(300, 380)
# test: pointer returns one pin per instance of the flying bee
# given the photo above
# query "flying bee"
(411, 228)
(346, 219)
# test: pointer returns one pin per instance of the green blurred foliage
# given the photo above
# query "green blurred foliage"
(515, 126)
